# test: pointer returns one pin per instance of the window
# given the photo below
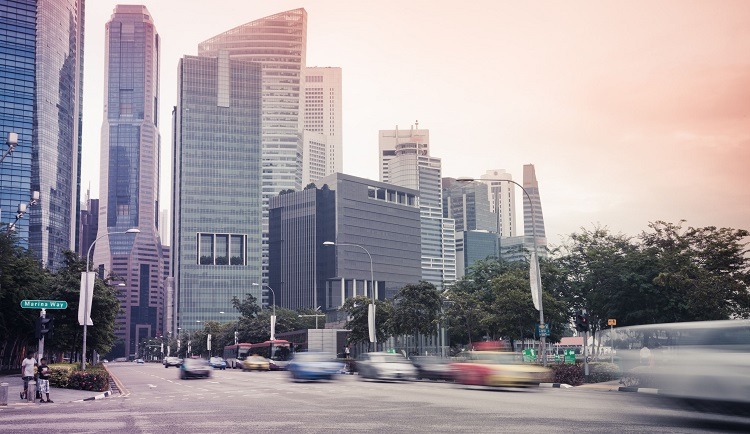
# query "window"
(222, 249)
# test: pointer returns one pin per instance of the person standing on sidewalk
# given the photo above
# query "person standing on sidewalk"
(27, 372)
(43, 383)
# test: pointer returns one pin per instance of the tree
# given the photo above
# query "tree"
(417, 309)
(356, 309)
(310, 186)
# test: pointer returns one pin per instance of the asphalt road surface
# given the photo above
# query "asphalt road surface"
(156, 401)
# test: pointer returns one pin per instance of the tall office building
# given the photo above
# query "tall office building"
(17, 63)
(129, 183)
(41, 98)
(165, 227)
(533, 219)
(502, 196)
(321, 137)
(216, 190)
(279, 44)
(467, 204)
(88, 225)
(410, 165)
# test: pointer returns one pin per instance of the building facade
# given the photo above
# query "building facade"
(89, 225)
(279, 44)
(18, 36)
(502, 196)
(216, 190)
(129, 183)
(322, 129)
(411, 166)
(383, 219)
(533, 218)
(473, 246)
(467, 204)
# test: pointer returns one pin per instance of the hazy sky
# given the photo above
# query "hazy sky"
(631, 111)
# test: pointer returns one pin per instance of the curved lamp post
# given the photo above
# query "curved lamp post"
(370, 310)
(535, 263)
(86, 292)
(273, 313)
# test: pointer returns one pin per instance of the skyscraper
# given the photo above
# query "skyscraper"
(129, 183)
(321, 137)
(502, 196)
(216, 190)
(18, 38)
(279, 44)
(467, 204)
(41, 98)
(533, 219)
(405, 161)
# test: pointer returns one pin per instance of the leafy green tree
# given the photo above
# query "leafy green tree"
(417, 309)
(356, 309)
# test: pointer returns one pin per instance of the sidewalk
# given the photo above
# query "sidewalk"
(58, 395)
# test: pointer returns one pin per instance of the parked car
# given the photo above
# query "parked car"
(314, 366)
(195, 368)
(217, 363)
(498, 369)
(385, 366)
(172, 361)
(255, 363)
(433, 368)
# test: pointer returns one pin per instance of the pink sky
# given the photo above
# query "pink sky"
(631, 111)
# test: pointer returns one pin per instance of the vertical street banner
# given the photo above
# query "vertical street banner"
(86, 297)
(535, 280)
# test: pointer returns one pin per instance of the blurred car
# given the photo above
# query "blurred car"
(255, 363)
(105, 361)
(385, 366)
(172, 361)
(498, 369)
(314, 366)
(217, 363)
(195, 368)
(139, 361)
(433, 368)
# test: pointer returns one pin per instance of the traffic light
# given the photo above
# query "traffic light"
(44, 327)
(582, 321)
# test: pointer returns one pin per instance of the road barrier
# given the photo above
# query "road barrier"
(3, 394)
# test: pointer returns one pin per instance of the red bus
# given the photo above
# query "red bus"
(235, 354)
(278, 352)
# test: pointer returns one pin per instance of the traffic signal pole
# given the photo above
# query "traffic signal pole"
(42, 315)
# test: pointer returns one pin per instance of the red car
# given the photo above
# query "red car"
(499, 369)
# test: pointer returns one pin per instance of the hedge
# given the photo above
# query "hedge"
(599, 372)
(95, 378)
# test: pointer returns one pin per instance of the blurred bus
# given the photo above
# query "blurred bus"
(235, 354)
(278, 352)
(704, 363)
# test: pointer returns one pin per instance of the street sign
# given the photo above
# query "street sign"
(570, 357)
(542, 330)
(529, 355)
(44, 304)
(611, 322)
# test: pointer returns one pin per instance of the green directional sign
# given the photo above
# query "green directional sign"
(44, 304)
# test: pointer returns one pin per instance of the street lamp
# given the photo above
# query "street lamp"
(12, 142)
(273, 314)
(86, 292)
(534, 265)
(22, 209)
(371, 309)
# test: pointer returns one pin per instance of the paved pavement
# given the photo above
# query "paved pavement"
(56, 394)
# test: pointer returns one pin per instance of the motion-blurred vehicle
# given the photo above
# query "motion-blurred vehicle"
(105, 361)
(433, 368)
(139, 361)
(498, 369)
(385, 366)
(195, 368)
(172, 361)
(314, 366)
(255, 363)
(217, 363)
(703, 364)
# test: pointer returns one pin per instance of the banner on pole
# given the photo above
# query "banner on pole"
(534, 280)
(87, 291)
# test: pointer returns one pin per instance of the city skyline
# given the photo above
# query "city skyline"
(628, 117)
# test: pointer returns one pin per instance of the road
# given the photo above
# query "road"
(156, 401)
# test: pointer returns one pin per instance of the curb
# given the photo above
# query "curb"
(556, 385)
(99, 396)
(648, 390)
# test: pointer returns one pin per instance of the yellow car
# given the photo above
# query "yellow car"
(256, 363)
(499, 369)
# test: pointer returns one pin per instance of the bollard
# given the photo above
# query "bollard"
(31, 391)
(3, 393)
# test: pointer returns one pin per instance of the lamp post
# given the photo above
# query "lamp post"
(536, 256)
(273, 312)
(86, 292)
(371, 309)
(22, 209)
(12, 142)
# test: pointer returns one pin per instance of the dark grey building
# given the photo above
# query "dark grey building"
(473, 246)
(469, 205)
(216, 190)
(383, 219)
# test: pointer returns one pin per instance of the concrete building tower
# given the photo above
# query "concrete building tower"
(279, 44)
(129, 183)
(321, 137)
(502, 196)
(532, 186)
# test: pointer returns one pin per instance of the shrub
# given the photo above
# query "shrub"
(600, 372)
(568, 374)
(95, 379)
(59, 376)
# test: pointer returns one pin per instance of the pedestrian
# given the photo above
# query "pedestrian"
(27, 372)
(43, 382)
(347, 352)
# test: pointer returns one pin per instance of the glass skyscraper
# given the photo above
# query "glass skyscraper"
(216, 190)
(17, 77)
(279, 44)
(129, 182)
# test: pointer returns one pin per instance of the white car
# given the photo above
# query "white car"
(385, 366)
